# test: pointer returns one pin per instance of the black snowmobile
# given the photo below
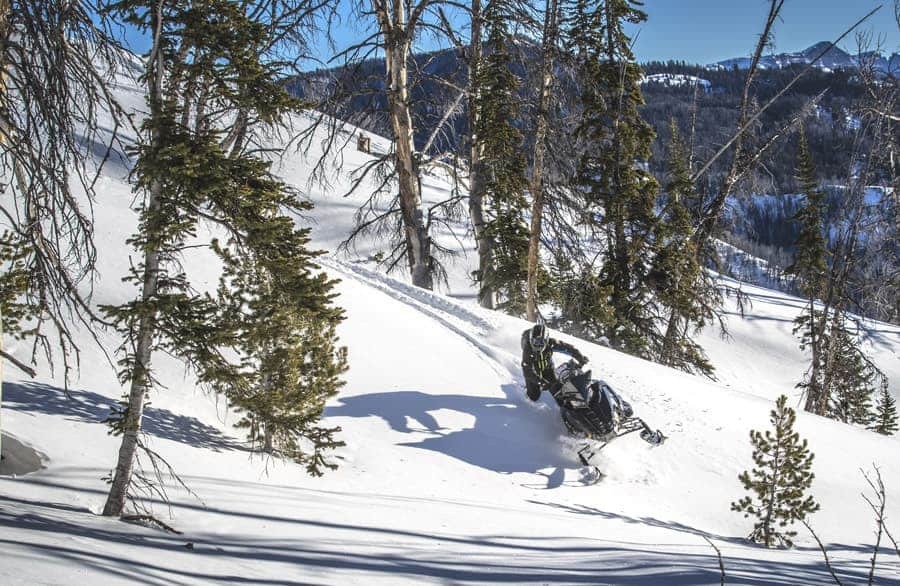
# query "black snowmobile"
(592, 410)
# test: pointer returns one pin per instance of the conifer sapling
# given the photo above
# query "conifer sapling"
(778, 483)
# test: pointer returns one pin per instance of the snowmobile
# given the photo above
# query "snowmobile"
(592, 410)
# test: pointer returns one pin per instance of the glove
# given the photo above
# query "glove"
(583, 361)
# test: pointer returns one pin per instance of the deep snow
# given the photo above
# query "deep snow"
(450, 475)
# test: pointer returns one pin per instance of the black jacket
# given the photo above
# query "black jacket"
(537, 367)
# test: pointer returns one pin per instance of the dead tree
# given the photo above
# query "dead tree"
(548, 52)
(399, 24)
(56, 62)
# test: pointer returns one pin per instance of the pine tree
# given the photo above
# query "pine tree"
(810, 267)
(810, 264)
(286, 321)
(14, 311)
(501, 168)
(206, 63)
(885, 421)
(682, 286)
(611, 173)
(778, 484)
(851, 377)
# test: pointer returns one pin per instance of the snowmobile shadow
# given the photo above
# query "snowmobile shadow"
(507, 437)
(89, 407)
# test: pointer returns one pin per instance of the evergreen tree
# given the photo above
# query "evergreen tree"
(682, 286)
(811, 270)
(810, 265)
(778, 484)
(204, 65)
(612, 174)
(14, 310)
(885, 421)
(850, 375)
(501, 168)
(286, 323)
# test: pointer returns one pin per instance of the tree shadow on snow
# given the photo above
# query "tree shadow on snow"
(137, 555)
(507, 436)
(578, 509)
(89, 407)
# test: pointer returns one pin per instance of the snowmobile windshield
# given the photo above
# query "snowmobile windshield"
(570, 372)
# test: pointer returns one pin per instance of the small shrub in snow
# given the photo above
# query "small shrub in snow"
(778, 483)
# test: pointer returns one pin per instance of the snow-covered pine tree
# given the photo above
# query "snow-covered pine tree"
(681, 284)
(780, 480)
(885, 421)
(612, 174)
(501, 167)
(203, 56)
(810, 268)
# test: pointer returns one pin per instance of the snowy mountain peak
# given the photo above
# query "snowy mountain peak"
(833, 58)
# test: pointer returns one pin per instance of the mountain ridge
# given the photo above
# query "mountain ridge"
(833, 58)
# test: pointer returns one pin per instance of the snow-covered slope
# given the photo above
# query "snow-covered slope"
(450, 475)
(676, 80)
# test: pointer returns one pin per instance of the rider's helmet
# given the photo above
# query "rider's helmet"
(537, 338)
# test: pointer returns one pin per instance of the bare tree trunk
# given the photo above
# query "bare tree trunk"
(476, 189)
(140, 372)
(540, 148)
(140, 381)
(770, 503)
(669, 340)
(4, 32)
(814, 390)
(1, 388)
(268, 443)
(397, 31)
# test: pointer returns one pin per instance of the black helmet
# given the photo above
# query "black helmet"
(537, 338)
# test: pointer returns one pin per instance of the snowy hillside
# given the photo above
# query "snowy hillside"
(449, 475)
(676, 80)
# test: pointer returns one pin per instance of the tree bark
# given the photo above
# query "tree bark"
(4, 33)
(1, 388)
(548, 44)
(140, 373)
(776, 469)
(397, 32)
(670, 339)
(814, 390)
(476, 189)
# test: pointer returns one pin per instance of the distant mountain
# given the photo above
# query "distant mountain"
(836, 58)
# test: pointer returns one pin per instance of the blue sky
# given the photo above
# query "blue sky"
(704, 31)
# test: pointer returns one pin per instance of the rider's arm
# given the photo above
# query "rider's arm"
(568, 349)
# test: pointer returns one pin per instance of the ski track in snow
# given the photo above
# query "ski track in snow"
(455, 317)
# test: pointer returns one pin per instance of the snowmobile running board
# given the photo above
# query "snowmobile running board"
(628, 426)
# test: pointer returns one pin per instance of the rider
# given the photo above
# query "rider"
(537, 363)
